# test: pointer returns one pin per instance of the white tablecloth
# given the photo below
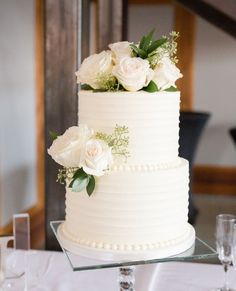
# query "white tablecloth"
(177, 276)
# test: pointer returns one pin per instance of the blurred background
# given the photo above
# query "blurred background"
(42, 44)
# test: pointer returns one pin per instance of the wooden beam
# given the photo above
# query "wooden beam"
(85, 29)
(214, 180)
(37, 213)
(185, 24)
(112, 22)
(61, 101)
(222, 14)
(39, 84)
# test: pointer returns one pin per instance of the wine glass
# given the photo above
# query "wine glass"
(224, 244)
(36, 268)
(234, 247)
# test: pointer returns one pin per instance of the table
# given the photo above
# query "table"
(171, 276)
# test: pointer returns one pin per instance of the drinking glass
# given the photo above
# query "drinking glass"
(224, 244)
(11, 267)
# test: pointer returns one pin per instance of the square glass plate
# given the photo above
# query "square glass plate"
(200, 250)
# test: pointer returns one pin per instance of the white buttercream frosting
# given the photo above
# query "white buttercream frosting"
(140, 205)
(131, 210)
(152, 119)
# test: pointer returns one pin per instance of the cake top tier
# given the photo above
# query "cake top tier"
(152, 120)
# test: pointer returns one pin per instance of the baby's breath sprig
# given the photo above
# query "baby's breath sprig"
(108, 82)
(171, 46)
(118, 140)
(65, 174)
(61, 176)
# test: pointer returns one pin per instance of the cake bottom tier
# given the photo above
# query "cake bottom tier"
(184, 246)
(133, 210)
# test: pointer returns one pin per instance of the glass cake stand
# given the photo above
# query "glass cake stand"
(200, 250)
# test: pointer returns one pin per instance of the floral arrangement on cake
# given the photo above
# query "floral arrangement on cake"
(148, 65)
(85, 155)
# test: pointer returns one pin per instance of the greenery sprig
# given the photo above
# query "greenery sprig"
(82, 180)
(147, 46)
(118, 140)
(167, 49)
(79, 180)
(65, 174)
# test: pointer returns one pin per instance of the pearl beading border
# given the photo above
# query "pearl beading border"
(126, 247)
(147, 167)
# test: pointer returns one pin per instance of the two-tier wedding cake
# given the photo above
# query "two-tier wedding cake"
(127, 189)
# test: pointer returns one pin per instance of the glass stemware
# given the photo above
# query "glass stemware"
(234, 247)
(224, 244)
(36, 268)
(4, 239)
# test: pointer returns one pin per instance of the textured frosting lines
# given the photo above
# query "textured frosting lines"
(152, 119)
(135, 209)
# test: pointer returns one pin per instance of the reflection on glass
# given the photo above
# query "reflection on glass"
(79, 263)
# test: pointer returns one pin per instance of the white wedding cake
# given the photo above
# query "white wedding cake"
(139, 206)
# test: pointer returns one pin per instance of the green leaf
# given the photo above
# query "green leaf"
(91, 185)
(53, 135)
(141, 53)
(86, 87)
(156, 44)
(152, 87)
(171, 89)
(142, 42)
(80, 184)
(134, 48)
(80, 173)
(148, 40)
(99, 90)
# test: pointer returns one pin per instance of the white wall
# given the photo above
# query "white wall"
(215, 71)
(215, 91)
(143, 18)
(17, 107)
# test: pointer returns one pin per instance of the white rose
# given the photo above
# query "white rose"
(166, 74)
(93, 67)
(97, 157)
(133, 73)
(67, 149)
(120, 50)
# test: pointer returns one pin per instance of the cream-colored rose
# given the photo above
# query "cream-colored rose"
(93, 68)
(67, 149)
(97, 157)
(166, 74)
(120, 50)
(133, 73)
